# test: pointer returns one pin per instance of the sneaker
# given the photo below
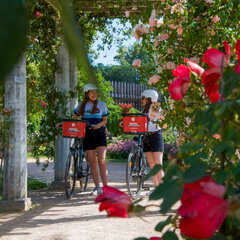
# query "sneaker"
(96, 191)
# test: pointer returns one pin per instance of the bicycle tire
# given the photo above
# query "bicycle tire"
(84, 174)
(70, 175)
(134, 179)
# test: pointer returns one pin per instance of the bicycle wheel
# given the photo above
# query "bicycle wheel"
(84, 171)
(70, 175)
(134, 178)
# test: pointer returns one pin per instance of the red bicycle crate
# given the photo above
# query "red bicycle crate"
(73, 128)
(135, 123)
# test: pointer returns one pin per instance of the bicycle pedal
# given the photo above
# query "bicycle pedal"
(146, 188)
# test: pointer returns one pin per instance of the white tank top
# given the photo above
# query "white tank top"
(154, 116)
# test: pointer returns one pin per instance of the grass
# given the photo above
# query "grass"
(33, 184)
(122, 160)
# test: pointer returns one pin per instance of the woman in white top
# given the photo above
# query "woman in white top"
(153, 143)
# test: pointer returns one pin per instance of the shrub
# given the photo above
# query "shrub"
(120, 149)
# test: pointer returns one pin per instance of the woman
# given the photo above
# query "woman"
(95, 113)
(153, 144)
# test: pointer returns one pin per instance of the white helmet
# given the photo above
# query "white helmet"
(88, 87)
(150, 93)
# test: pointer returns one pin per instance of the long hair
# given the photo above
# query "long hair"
(83, 104)
(148, 105)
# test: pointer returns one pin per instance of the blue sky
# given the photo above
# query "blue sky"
(106, 56)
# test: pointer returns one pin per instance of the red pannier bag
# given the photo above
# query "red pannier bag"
(135, 123)
(73, 128)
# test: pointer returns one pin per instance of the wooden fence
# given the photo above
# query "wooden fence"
(128, 93)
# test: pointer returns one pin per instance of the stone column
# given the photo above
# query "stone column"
(73, 82)
(15, 165)
(62, 83)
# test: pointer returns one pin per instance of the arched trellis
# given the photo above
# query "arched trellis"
(15, 169)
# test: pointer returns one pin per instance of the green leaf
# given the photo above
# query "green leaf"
(153, 171)
(217, 237)
(141, 238)
(161, 225)
(221, 176)
(194, 173)
(170, 191)
(13, 31)
(169, 236)
(220, 147)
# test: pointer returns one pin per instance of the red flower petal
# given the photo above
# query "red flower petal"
(227, 49)
(114, 209)
(237, 68)
(202, 216)
(177, 89)
(214, 96)
(194, 67)
(155, 238)
(213, 57)
(211, 75)
(237, 47)
(114, 201)
(181, 71)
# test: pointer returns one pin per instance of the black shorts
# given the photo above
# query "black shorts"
(94, 138)
(153, 142)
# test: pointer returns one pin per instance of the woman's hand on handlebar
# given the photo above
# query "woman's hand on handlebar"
(75, 117)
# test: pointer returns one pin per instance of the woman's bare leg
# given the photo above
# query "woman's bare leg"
(151, 163)
(91, 154)
(101, 152)
(158, 158)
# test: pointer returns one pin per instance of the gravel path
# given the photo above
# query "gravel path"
(55, 218)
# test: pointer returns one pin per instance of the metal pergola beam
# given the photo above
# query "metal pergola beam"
(114, 8)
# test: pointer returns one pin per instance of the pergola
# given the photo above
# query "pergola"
(114, 8)
(15, 176)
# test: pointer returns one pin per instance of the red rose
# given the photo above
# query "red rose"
(202, 216)
(155, 238)
(203, 210)
(114, 201)
(37, 14)
(44, 104)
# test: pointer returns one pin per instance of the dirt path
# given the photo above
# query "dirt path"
(55, 218)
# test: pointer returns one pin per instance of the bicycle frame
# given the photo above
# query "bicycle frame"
(77, 150)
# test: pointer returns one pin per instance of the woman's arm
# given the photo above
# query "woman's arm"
(101, 124)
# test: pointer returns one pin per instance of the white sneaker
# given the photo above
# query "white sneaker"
(96, 191)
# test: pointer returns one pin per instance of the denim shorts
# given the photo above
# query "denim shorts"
(94, 138)
(153, 142)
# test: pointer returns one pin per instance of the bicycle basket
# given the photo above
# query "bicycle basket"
(135, 123)
(73, 128)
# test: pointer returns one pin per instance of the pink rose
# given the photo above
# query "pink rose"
(216, 19)
(216, 136)
(136, 63)
(37, 14)
(152, 22)
(172, 26)
(179, 31)
(164, 37)
(170, 65)
(154, 79)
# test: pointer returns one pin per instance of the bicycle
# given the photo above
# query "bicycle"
(136, 169)
(77, 166)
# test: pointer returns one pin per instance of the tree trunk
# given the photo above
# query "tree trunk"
(15, 165)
